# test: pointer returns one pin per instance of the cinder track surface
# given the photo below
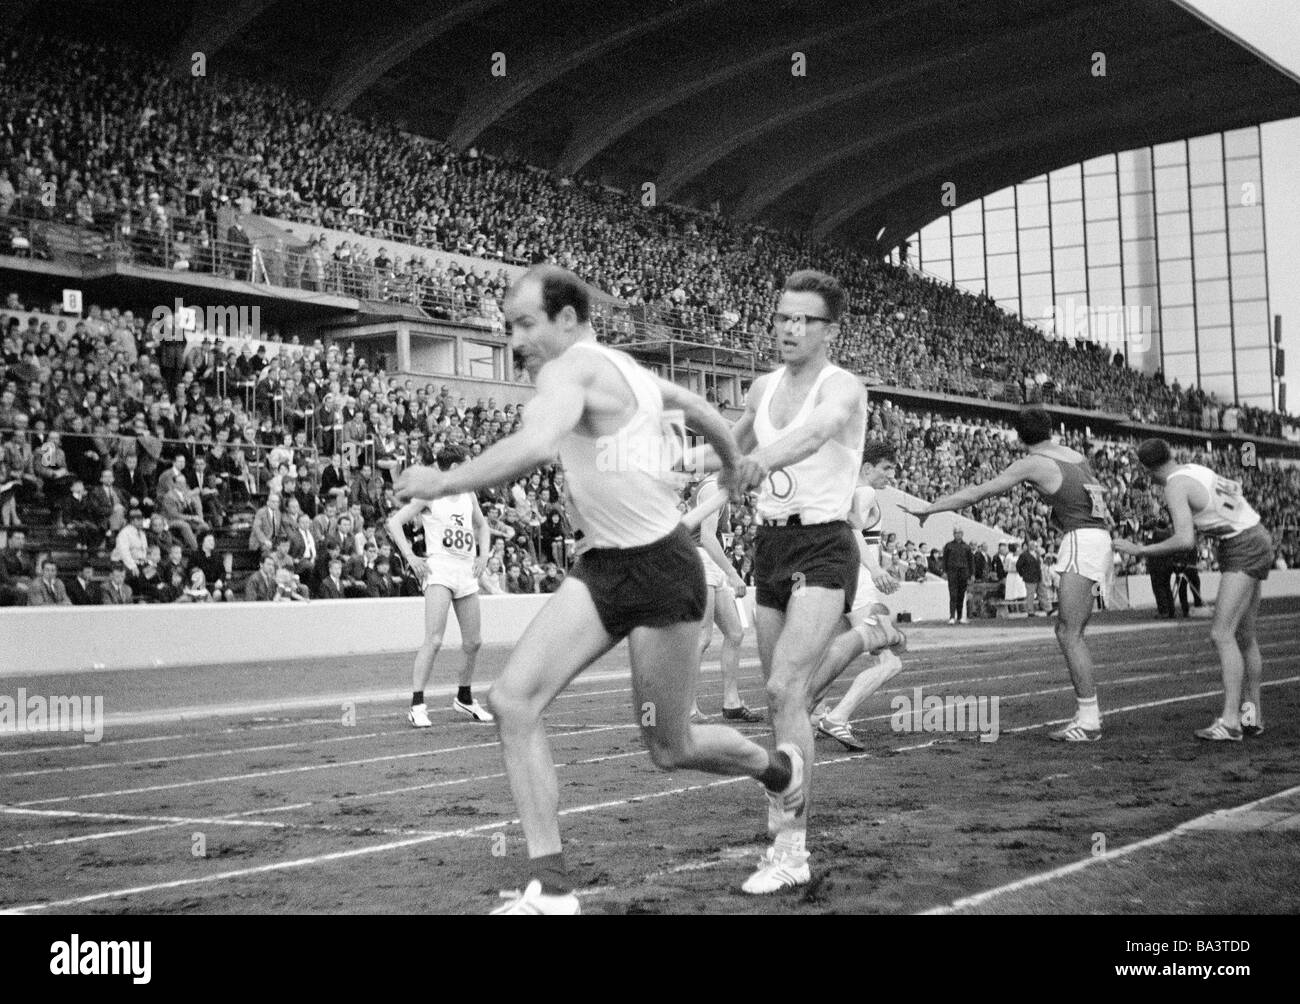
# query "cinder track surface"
(308, 792)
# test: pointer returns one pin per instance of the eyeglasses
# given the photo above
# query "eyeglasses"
(779, 320)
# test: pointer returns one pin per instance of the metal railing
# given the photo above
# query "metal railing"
(293, 268)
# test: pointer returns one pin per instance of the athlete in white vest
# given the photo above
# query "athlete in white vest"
(805, 424)
(726, 587)
(639, 576)
(868, 606)
(1200, 500)
(456, 545)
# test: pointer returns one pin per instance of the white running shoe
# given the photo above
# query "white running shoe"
(532, 902)
(777, 871)
(473, 710)
(418, 716)
(952, 620)
(1075, 731)
(784, 807)
(963, 621)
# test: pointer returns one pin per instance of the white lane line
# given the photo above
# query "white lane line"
(1032, 880)
(579, 732)
(234, 819)
(302, 769)
(966, 902)
(199, 712)
(578, 729)
(277, 866)
(1152, 704)
(912, 674)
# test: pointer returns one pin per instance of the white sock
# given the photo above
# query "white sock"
(1089, 714)
(791, 841)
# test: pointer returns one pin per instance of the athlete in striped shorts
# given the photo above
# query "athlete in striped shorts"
(1199, 499)
(1065, 481)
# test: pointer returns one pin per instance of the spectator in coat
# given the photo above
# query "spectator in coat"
(83, 591)
(116, 592)
(48, 590)
(261, 587)
(268, 522)
(958, 567)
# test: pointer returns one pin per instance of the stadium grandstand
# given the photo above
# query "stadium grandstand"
(378, 259)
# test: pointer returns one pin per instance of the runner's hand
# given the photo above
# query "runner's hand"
(419, 483)
(480, 563)
(1127, 547)
(746, 474)
(738, 587)
(920, 514)
(421, 568)
(885, 582)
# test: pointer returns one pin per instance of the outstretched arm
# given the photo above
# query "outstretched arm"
(841, 396)
(1019, 472)
(737, 472)
(553, 413)
(1184, 538)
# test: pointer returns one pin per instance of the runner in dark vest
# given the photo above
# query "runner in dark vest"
(1066, 483)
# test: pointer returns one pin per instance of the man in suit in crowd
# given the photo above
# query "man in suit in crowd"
(267, 523)
(260, 587)
(48, 590)
(116, 591)
(83, 591)
(331, 584)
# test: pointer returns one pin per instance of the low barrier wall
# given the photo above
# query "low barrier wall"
(71, 639)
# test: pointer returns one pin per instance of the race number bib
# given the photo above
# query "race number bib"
(457, 538)
(1097, 493)
(1227, 496)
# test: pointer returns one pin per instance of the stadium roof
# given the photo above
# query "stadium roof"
(699, 97)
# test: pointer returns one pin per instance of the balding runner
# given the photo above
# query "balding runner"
(639, 576)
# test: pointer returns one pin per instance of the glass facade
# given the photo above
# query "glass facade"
(1157, 252)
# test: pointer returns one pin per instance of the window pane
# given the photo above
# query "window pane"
(1248, 287)
(1066, 184)
(1171, 189)
(1170, 153)
(1207, 208)
(1207, 172)
(1033, 241)
(1241, 141)
(1211, 254)
(1175, 242)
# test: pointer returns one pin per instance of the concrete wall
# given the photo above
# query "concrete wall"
(68, 639)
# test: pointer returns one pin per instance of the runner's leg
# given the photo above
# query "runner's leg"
(563, 639)
(1248, 642)
(733, 634)
(810, 621)
(663, 685)
(437, 599)
(1075, 600)
(1237, 593)
(469, 617)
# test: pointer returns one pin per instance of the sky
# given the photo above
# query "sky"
(1272, 27)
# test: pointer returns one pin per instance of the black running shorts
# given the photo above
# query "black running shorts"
(823, 554)
(655, 585)
(1250, 551)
